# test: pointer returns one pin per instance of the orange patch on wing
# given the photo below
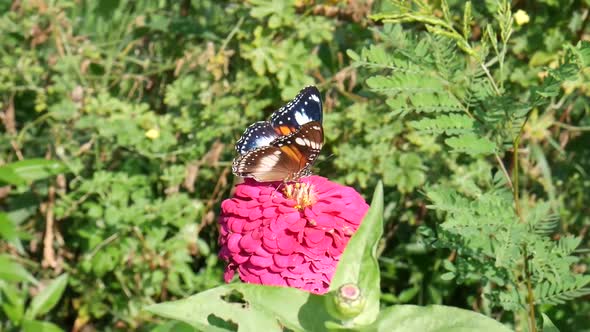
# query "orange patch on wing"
(292, 152)
(284, 130)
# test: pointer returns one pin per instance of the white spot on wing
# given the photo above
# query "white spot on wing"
(264, 140)
(302, 118)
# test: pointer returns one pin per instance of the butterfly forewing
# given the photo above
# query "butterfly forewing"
(258, 134)
(305, 107)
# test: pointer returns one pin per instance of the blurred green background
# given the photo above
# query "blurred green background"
(138, 105)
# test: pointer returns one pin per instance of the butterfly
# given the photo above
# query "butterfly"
(285, 147)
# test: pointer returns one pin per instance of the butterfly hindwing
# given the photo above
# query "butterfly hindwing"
(265, 164)
(304, 145)
(305, 107)
(256, 135)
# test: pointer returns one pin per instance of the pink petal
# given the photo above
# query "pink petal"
(254, 214)
(248, 243)
(247, 191)
(297, 226)
(314, 235)
(251, 225)
(228, 275)
(236, 225)
(283, 260)
(286, 244)
(261, 261)
(232, 242)
(274, 279)
(241, 258)
(269, 212)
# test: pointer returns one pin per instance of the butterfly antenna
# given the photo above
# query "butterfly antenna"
(327, 158)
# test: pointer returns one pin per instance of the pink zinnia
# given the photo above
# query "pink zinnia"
(293, 236)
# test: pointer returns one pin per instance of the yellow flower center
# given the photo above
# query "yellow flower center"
(302, 193)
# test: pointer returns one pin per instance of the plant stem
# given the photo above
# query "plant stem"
(530, 294)
(515, 192)
(515, 176)
(504, 171)
(527, 273)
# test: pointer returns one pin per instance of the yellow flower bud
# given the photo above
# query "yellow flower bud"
(521, 17)
(152, 133)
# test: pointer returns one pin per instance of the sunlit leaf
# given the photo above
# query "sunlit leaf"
(358, 264)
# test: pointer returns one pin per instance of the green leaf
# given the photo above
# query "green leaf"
(248, 307)
(448, 276)
(353, 55)
(467, 17)
(13, 271)
(358, 264)
(471, 144)
(7, 228)
(9, 176)
(39, 326)
(21, 172)
(174, 327)
(548, 325)
(37, 169)
(12, 301)
(449, 124)
(48, 297)
(437, 318)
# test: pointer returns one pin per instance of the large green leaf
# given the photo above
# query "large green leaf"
(9, 176)
(358, 263)
(249, 307)
(13, 271)
(39, 326)
(48, 297)
(174, 327)
(29, 170)
(37, 169)
(402, 318)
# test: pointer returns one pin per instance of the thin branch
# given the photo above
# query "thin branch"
(48, 251)
(504, 171)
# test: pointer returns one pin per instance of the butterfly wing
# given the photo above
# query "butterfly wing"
(304, 108)
(287, 158)
(258, 134)
(265, 164)
(304, 145)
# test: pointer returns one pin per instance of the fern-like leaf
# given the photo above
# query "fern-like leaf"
(471, 144)
(451, 124)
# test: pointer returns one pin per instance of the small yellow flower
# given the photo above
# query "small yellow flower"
(152, 133)
(521, 17)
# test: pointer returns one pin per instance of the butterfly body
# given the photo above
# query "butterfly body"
(285, 147)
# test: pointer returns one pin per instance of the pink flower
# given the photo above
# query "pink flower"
(292, 236)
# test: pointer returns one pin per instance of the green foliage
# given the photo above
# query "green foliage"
(118, 121)
(498, 238)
